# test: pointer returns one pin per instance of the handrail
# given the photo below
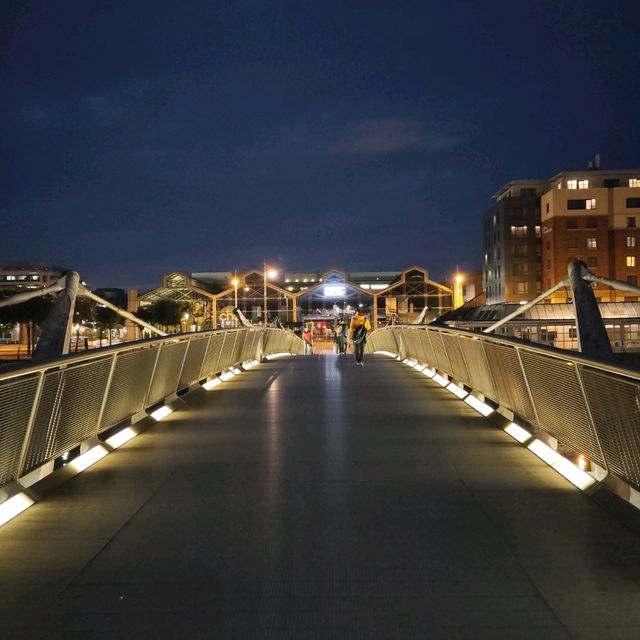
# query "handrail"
(52, 407)
(589, 406)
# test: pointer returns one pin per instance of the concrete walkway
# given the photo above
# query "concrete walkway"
(313, 498)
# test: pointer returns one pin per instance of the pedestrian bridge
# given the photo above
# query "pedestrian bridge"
(306, 497)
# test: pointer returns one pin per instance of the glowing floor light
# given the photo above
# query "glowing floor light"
(227, 375)
(428, 372)
(517, 432)
(13, 507)
(161, 413)
(236, 371)
(441, 380)
(386, 353)
(212, 384)
(118, 439)
(564, 467)
(85, 460)
(478, 405)
(457, 391)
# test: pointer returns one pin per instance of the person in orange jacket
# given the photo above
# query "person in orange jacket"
(358, 330)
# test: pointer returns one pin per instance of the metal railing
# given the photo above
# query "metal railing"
(51, 408)
(591, 407)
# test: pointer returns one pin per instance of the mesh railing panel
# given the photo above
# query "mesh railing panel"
(426, 348)
(68, 410)
(212, 356)
(509, 380)
(560, 403)
(238, 347)
(454, 352)
(477, 366)
(16, 402)
(439, 352)
(249, 350)
(615, 406)
(167, 373)
(412, 344)
(226, 352)
(193, 361)
(384, 340)
(129, 386)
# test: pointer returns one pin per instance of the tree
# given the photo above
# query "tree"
(107, 318)
(29, 314)
(163, 313)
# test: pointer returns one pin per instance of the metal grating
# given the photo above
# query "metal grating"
(167, 373)
(249, 350)
(129, 386)
(226, 352)
(212, 356)
(413, 346)
(439, 352)
(68, 410)
(193, 361)
(426, 349)
(458, 366)
(16, 400)
(560, 403)
(477, 366)
(615, 406)
(509, 380)
(238, 347)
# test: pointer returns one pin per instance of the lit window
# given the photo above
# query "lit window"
(583, 184)
(591, 203)
(634, 182)
(631, 241)
(538, 233)
(519, 232)
(559, 185)
(11, 277)
(592, 243)
(522, 287)
(572, 184)
(631, 261)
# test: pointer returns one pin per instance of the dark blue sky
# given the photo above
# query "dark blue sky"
(149, 136)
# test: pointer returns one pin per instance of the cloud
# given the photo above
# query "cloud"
(394, 135)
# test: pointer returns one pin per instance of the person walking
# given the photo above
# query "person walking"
(308, 341)
(358, 331)
(341, 338)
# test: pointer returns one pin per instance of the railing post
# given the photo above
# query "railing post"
(593, 422)
(106, 392)
(31, 423)
(153, 375)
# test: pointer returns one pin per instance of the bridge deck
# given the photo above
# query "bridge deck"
(313, 498)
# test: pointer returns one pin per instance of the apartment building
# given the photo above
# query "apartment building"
(512, 248)
(593, 216)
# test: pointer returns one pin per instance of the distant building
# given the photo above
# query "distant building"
(536, 227)
(593, 216)
(512, 271)
(16, 279)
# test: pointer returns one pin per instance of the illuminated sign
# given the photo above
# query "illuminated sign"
(335, 291)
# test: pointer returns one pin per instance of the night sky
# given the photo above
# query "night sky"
(141, 137)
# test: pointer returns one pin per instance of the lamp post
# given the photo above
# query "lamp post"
(235, 282)
(268, 273)
(457, 291)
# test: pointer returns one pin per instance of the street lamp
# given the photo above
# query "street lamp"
(235, 282)
(458, 300)
(268, 273)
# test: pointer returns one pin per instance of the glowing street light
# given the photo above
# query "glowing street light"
(271, 274)
(458, 300)
(235, 282)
